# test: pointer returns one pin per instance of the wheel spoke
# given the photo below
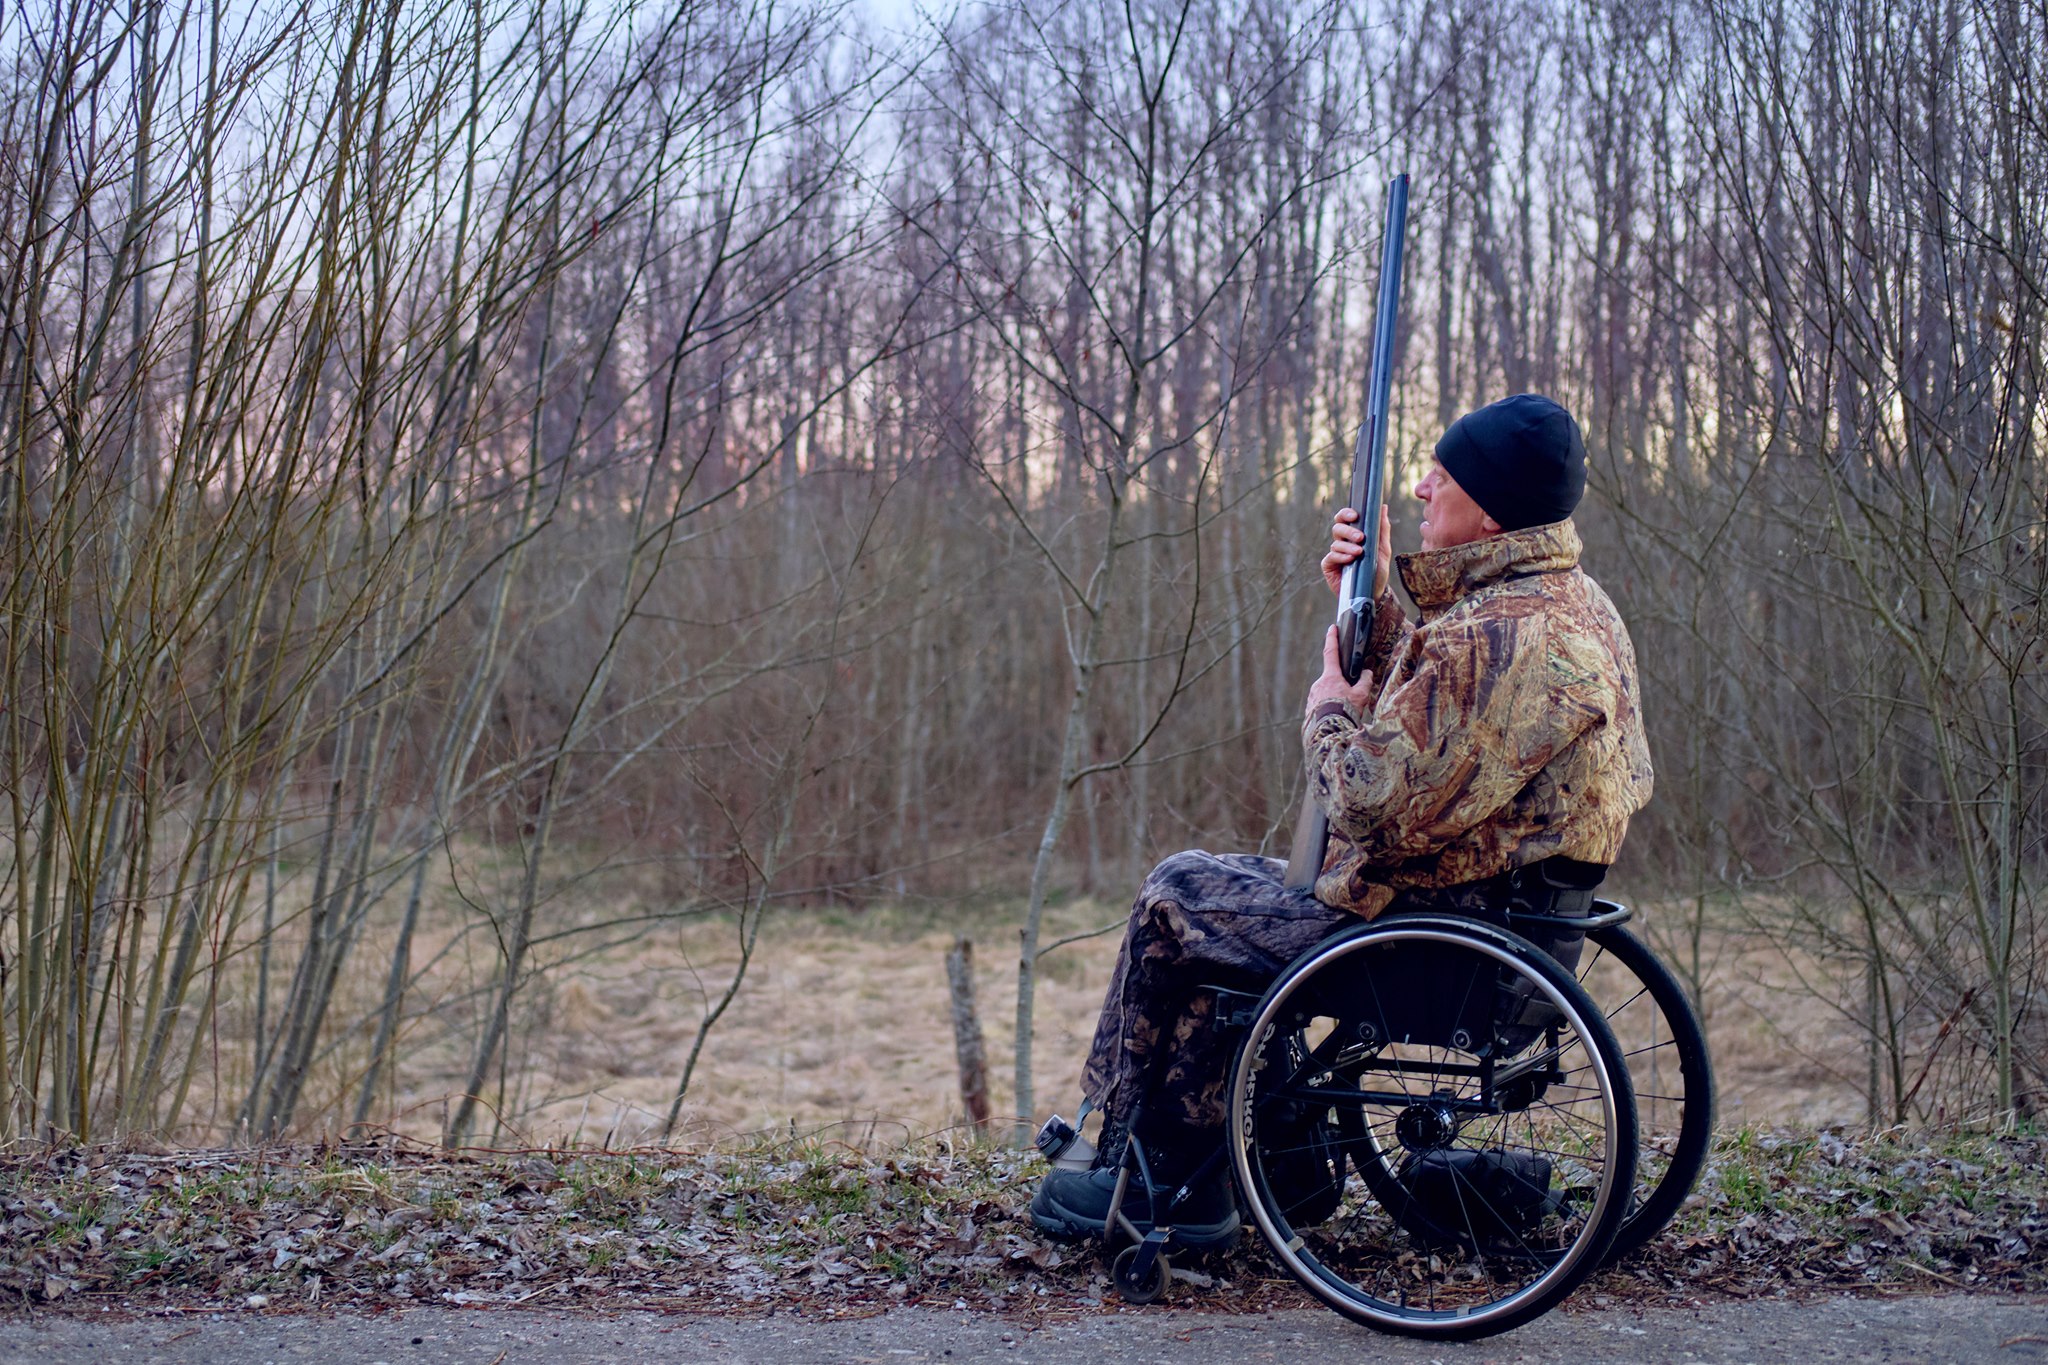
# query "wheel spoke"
(1431, 1183)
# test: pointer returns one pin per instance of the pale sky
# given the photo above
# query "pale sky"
(901, 15)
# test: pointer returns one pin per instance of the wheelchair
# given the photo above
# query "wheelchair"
(1436, 1129)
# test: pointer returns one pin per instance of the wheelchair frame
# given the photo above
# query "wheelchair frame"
(1619, 1216)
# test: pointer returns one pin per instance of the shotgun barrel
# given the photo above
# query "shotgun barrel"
(1368, 479)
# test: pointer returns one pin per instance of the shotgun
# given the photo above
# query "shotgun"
(1368, 476)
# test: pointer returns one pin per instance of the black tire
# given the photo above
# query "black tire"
(1479, 1103)
(1666, 1052)
(1123, 1273)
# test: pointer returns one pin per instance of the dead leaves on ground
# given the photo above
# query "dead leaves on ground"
(1781, 1211)
(371, 1225)
(836, 1230)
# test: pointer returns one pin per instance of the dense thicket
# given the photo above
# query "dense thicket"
(487, 443)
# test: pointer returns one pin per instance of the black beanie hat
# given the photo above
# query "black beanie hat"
(1521, 459)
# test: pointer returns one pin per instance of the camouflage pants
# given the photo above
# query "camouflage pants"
(1200, 919)
(1204, 919)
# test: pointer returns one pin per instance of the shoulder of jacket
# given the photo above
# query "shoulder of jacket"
(1560, 617)
(1522, 598)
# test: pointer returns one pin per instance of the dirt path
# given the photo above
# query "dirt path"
(1963, 1328)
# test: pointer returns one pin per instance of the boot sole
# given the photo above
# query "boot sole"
(1208, 1236)
(1061, 1223)
(1064, 1226)
(1063, 1229)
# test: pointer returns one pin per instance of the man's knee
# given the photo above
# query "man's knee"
(1185, 878)
(1175, 881)
(1175, 868)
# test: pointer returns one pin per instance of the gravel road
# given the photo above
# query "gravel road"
(1983, 1331)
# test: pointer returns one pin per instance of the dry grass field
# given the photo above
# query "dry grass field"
(841, 1028)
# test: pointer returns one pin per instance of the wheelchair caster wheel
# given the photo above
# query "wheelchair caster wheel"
(1124, 1274)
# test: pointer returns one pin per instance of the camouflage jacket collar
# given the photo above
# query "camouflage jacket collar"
(1437, 578)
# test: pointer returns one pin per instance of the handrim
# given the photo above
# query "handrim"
(1577, 1012)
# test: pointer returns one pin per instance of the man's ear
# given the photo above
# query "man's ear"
(1489, 525)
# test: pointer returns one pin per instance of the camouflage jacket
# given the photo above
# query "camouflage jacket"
(1505, 729)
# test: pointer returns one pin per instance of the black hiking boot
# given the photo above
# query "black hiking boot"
(1073, 1205)
(1474, 1198)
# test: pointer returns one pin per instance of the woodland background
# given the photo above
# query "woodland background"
(503, 478)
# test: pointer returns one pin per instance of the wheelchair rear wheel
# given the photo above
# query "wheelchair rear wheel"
(1432, 1127)
(1666, 1052)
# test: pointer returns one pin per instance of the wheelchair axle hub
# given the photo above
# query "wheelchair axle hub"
(1427, 1126)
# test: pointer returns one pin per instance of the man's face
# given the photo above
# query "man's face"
(1449, 516)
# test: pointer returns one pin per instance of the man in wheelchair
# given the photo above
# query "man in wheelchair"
(1493, 750)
